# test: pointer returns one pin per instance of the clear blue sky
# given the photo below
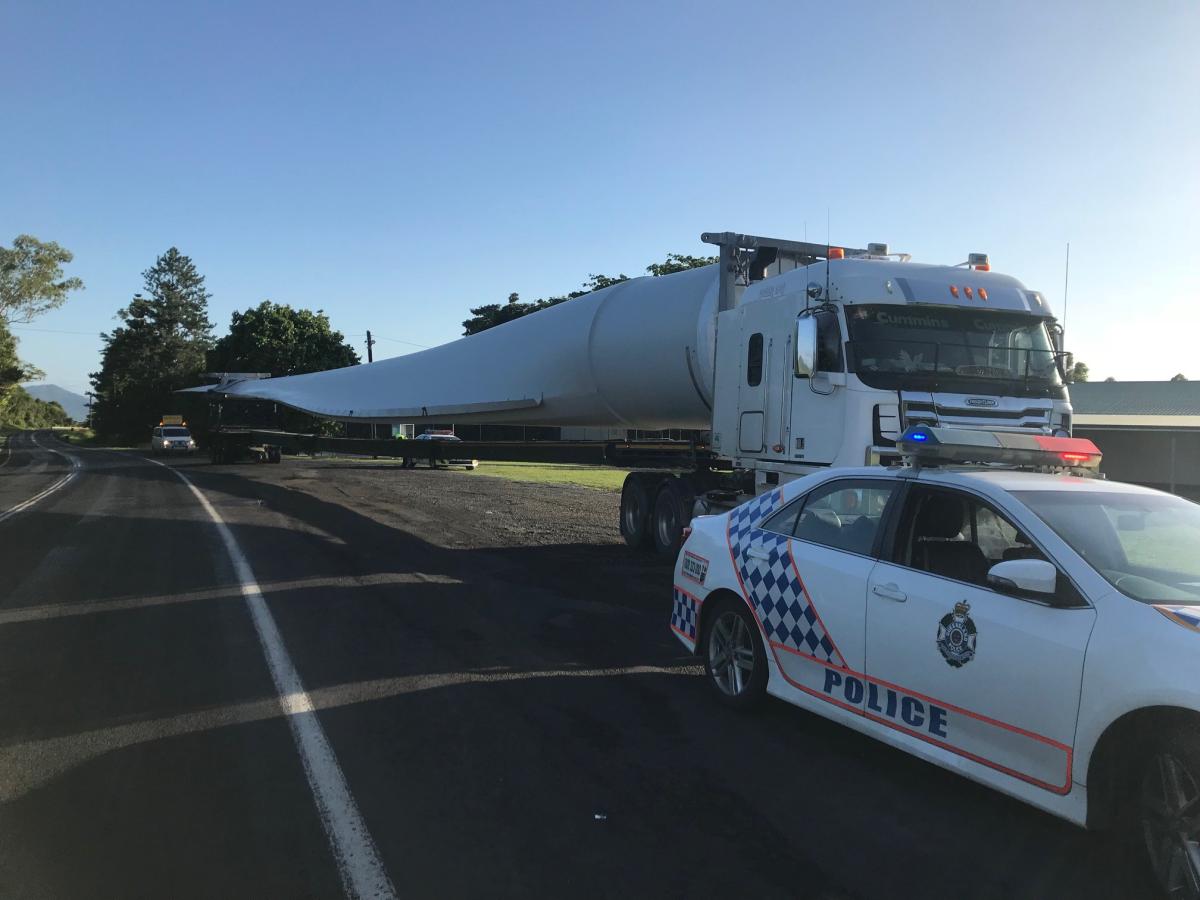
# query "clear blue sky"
(395, 164)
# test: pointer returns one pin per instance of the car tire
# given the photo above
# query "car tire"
(734, 657)
(672, 511)
(1167, 803)
(636, 510)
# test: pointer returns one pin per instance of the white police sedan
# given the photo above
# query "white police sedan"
(1036, 632)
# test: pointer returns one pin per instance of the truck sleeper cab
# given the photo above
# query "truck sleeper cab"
(825, 365)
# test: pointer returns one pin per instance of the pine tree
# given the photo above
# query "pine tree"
(159, 347)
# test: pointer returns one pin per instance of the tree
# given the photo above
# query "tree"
(1109, 379)
(273, 337)
(21, 410)
(31, 278)
(1079, 372)
(31, 282)
(159, 348)
(492, 314)
(1179, 377)
(680, 262)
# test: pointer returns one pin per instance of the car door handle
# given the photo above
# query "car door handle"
(889, 592)
(758, 553)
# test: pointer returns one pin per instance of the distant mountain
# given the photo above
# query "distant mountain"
(74, 404)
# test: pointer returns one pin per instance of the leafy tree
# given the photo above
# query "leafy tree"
(1079, 372)
(1109, 378)
(159, 348)
(12, 370)
(31, 282)
(680, 262)
(492, 314)
(21, 410)
(31, 278)
(1179, 377)
(273, 337)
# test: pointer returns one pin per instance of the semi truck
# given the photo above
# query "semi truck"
(793, 357)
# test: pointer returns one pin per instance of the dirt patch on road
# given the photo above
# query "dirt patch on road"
(558, 534)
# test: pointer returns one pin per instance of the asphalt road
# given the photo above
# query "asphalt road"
(471, 712)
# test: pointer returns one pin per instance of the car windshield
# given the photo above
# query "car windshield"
(176, 432)
(915, 344)
(1146, 545)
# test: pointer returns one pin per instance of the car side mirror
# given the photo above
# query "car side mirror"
(1024, 576)
(806, 346)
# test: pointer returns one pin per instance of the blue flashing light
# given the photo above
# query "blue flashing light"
(918, 436)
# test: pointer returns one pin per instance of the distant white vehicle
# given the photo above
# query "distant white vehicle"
(449, 437)
(1036, 632)
(171, 439)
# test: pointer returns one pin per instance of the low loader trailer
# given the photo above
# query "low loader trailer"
(793, 357)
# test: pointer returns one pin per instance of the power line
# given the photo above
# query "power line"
(55, 330)
(380, 337)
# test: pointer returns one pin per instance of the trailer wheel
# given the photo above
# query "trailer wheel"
(672, 511)
(636, 512)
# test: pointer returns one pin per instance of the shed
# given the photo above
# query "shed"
(1149, 431)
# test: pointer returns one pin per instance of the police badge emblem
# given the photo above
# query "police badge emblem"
(956, 636)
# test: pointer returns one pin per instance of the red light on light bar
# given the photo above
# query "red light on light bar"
(1077, 446)
(1075, 457)
(837, 253)
(983, 267)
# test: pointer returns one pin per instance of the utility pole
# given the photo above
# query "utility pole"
(370, 347)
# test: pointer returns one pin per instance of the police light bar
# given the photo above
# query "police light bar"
(926, 445)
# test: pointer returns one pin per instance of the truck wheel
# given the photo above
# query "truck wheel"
(635, 512)
(734, 658)
(1169, 812)
(672, 511)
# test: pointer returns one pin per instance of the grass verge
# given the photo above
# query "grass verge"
(86, 437)
(598, 477)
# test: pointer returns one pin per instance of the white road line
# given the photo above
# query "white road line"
(363, 874)
(57, 486)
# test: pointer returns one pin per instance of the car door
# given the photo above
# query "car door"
(805, 571)
(989, 676)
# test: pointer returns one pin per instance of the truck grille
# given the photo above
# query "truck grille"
(1032, 417)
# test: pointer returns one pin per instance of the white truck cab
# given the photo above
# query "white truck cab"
(825, 365)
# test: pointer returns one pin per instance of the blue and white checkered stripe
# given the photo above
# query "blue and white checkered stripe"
(772, 585)
(684, 613)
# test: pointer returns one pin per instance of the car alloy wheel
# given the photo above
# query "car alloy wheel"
(731, 654)
(1170, 819)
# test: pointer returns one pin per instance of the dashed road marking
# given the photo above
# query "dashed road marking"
(57, 486)
(362, 872)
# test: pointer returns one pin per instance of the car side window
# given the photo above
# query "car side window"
(957, 535)
(844, 515)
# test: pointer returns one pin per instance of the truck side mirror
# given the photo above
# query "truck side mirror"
(1066, 362)
(806, 346)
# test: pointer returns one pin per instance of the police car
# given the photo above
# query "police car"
(987, 607)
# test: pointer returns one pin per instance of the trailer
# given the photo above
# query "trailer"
(792, 356)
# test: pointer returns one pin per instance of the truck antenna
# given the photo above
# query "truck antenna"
(827, 238)
(1066, 284)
